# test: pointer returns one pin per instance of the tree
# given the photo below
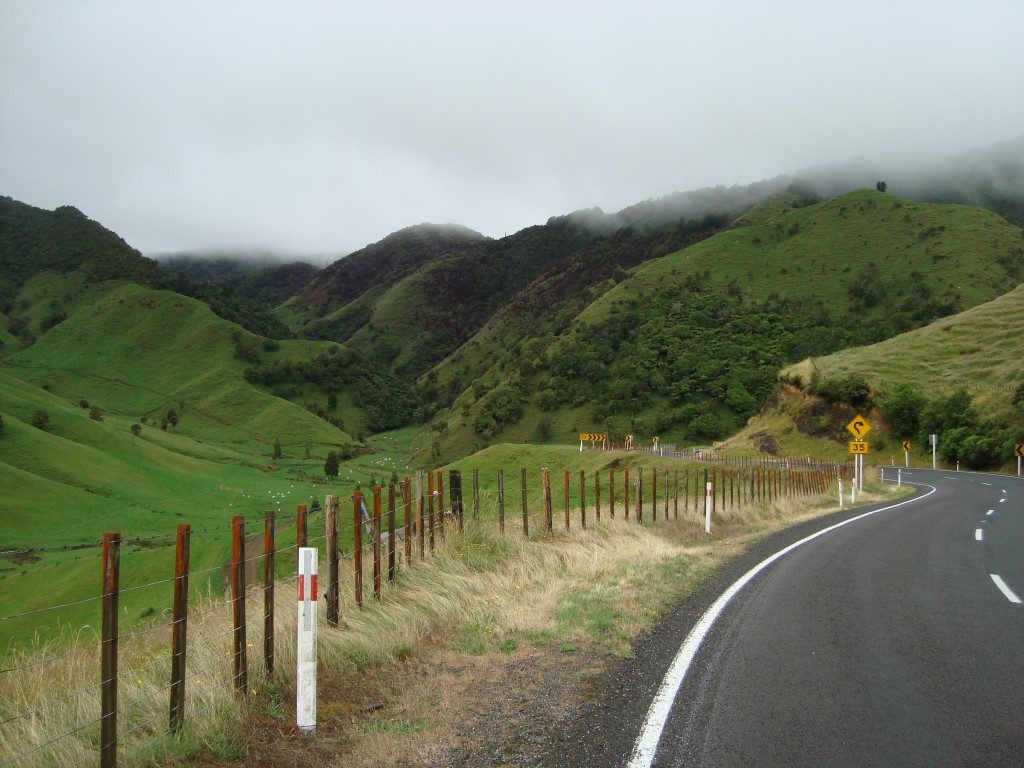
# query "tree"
(880, 186)
(332, 401)
(41, 420)
(136, 430)
(172, 418)
(902, 410)
(331, 465)
(278, 451)
(95, 413)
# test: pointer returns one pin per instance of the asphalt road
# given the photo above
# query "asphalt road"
(883, 642)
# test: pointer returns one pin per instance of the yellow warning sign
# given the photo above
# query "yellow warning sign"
(859, 427)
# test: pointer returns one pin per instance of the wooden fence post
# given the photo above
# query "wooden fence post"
(675, 495)
(407, 520)
(421, 531)
(455, 492)
(565, 496)
(501, 500)
(268, 593)
(179, 627)
(240, 657)
(331, 544)
(611, 493)
(654, 494)
(526, 516)
(583, 498)
(665, 475)
(391, 533)
(108, 652)
(440, 502)
(476, 494)
(625, 492)
(545, 482)
(640, 495)
(597, 495)
(430, 507)
(376, 542)
(357, 545)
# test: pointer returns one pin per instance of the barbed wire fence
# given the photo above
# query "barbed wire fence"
(140, 687)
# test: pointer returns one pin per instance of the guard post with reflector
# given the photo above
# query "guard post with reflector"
(305, 678)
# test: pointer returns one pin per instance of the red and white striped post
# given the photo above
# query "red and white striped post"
(708, 501)
(305, 680)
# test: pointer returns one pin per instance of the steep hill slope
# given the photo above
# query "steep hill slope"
(980, 350)
(687, 345)
(264, 279)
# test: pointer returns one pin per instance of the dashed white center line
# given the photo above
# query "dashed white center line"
(1007, 592)
(1003, 491)
(1001, 501)
(986, 483)
(990, 512)
(979, 534)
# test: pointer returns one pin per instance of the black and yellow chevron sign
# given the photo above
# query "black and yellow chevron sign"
(596, 438)
(1018, 449)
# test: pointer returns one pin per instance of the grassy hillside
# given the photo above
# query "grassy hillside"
(687, 346)
(979, 349)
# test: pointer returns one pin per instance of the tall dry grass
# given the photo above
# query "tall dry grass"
(501, 583)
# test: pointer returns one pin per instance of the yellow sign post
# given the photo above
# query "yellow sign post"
(1018, 451)
(586, 437)
(906, 452)
(858, 447)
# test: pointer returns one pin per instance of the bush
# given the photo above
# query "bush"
(331, 465)
(278, 451)
(136, 430)
(95, 413)
(41, 420)
(853, 389)
(902, 410)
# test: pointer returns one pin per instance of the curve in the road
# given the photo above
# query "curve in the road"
(657, 716)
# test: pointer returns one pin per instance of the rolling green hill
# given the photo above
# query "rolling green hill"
(687, 345)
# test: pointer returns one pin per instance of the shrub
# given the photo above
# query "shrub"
(903, 409)
(95, 413)
(136, 430)
(331, 465)
(41, 420)
(278, 451)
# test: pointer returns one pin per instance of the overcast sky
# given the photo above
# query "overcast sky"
(320, 127)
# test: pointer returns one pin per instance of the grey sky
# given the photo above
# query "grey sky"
(320, 127)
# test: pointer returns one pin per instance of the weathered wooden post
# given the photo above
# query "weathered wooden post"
(583, 498)
(179, 627)
(597, 495)
(611, 493)
(545, 483)
(331, 544)
(565, 496)
(440, 502)
(407, 520)
(430, 507)
(391, 533)
(476, 495)
(268, 592)
(108, 649)
(526, 516)
(455, 492)
(241, 662)
(640, 495)
(654, 494)
(376, 542)
(625, 492)
(357, 545)
(501, 500)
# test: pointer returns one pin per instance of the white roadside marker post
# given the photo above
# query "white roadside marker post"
(899, 478)
(840, 493)
(305, 681)
(707, 507)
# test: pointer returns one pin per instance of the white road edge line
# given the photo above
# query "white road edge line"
(979, 534)
(989, 512)
(657, 715)
(1007, 592)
